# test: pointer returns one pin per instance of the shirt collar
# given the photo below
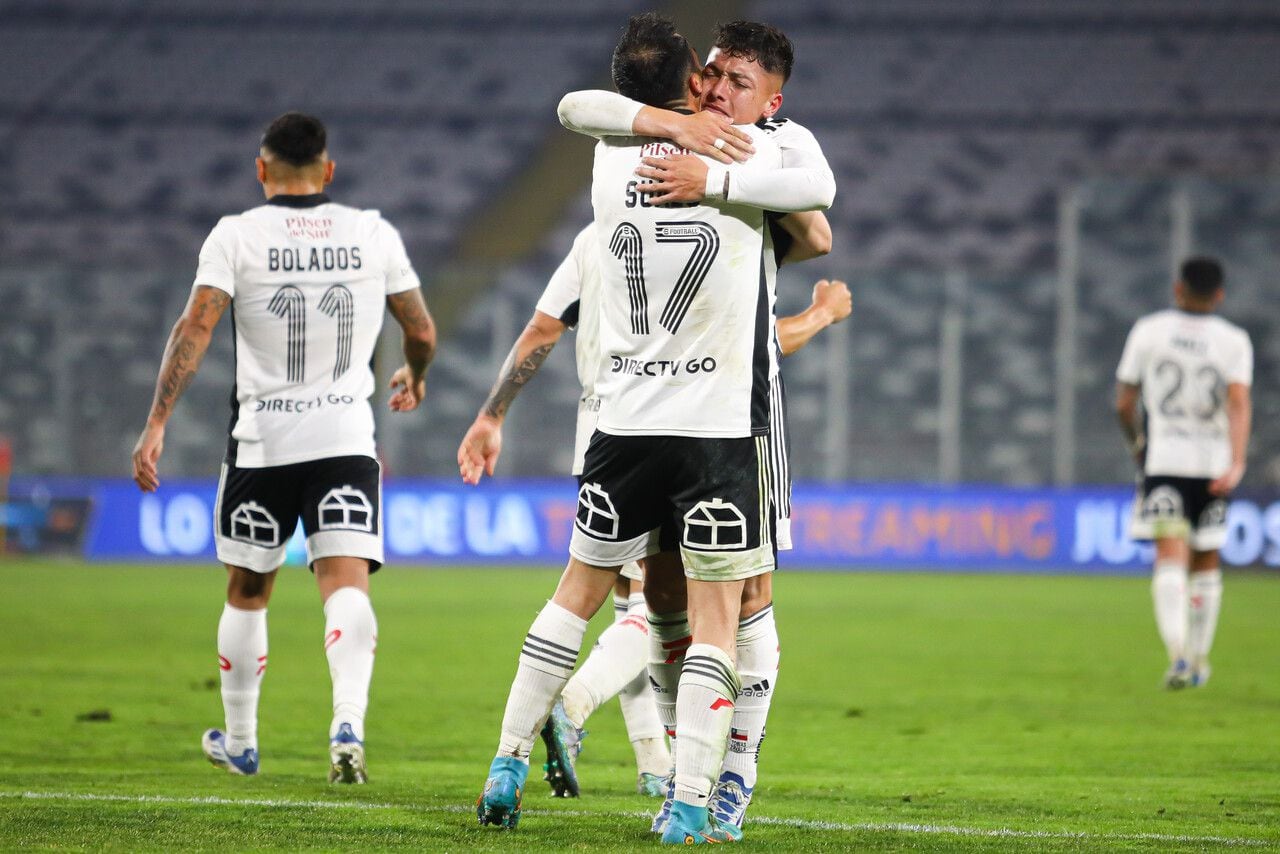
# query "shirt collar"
(308, 201)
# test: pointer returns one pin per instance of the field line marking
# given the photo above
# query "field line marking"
(799, 823)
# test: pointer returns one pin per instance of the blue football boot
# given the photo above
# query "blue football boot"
(653, 785)
(214, 744)
(564, 743)
(730, 800)
(499, 803)
(664, 812)
(690, 825)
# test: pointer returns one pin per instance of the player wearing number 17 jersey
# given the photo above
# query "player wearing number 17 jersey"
(1193, 371)
(308, 281)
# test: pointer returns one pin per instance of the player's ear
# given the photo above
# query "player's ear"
(695, 84)
(328, 173)
(261, 168)
(772, 105)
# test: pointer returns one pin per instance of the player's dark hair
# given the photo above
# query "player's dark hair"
(652, 62)
(296, 138)
(764, 43)
(1202, 275)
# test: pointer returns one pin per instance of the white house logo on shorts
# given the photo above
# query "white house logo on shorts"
(252, 524)
(596, 515)
(1214, 515)
(715, 524)
(1164, 503)
(347, 508)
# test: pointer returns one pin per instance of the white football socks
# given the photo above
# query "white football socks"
(546, 661)
(669, 639)
(620, 654)
(758, 669)
(1169, 594)
(1204, 603)
(242, 658)
(704, 709)
(640, 710)
(350, 637)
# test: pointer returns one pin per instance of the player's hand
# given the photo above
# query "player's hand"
(146, 455)
(833, 297)
(408, 391)
(677, 178)
(1224, 485)
(698, 133)
(480, 448)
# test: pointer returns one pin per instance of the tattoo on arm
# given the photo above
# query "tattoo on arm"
(410, 311)
(512, 378)
(186, 348)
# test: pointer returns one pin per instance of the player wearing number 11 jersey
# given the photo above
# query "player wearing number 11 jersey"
(308, 281)
(1193, 371)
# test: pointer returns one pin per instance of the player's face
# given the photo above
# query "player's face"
(739, 88)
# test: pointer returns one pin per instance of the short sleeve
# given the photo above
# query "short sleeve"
(1241, 368)
(216, 267)
(400, 273)
(563, 294)
(1130, 368)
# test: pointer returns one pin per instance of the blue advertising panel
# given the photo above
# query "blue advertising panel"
(968, 528)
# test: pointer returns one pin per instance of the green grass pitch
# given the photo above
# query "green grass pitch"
(915, 712)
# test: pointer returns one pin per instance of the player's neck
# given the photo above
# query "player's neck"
(292, 188)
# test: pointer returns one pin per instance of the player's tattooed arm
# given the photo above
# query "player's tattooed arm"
(526, 357)
(482, 445)
(419, 332)
(187, 345)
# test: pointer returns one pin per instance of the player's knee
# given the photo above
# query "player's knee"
(247, 589)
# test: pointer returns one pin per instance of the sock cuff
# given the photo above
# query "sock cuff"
(1170, 568)
(757, 626)
(668, 626)
(553, 615)
(708, 665)
(636, 600)
(344, 594)
(1207, 578)
(554, 639)
(247, 612)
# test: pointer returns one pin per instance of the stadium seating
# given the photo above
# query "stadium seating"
(125, 139)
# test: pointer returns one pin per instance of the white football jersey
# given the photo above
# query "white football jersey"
(1184, 362)
(309, 280)
(686, 321)
(572, 297)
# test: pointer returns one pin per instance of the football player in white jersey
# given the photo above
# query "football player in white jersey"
(617, 663)
(308, 281)
(730, 92)
(1192, 372)
(682, 439)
